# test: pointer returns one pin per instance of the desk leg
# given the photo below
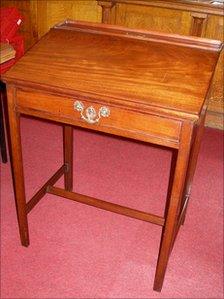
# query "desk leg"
(193, 162)
(17, 168)
(68, 156)
(171, 221)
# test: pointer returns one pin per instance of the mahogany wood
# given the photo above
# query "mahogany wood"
(193, 162)
(104, 205)
(171, 221)
(171, 179)
(187, 17)
(179, 222)
(131, 83)
(68, 156)
(17, 166)
(145, 127)
(43, 190)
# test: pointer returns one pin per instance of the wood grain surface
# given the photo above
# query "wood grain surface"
(199, 18)
(150, 72)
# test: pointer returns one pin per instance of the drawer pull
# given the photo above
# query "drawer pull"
(91, 116)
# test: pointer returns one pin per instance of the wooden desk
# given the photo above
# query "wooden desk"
(137, 84)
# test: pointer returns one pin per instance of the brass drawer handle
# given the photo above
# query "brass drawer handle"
(91, 116)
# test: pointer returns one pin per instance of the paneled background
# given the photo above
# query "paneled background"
(181, 17)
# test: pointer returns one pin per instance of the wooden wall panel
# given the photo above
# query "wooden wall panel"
(214, 27)
(51, 12)
(215, 30)
(87, 10)
(41, 17)
(56, 11)
(153, 18)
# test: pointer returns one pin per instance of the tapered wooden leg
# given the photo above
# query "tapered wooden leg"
(173, 210)
(68, 156)
(193, 162)
(17, 168)
(171, 178)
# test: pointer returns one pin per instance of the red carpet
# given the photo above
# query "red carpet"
(78, 251)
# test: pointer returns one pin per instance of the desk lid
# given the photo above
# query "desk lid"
(170, 72)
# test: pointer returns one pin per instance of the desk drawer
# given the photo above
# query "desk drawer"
(101, 117)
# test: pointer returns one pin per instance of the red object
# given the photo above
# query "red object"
(10, 22)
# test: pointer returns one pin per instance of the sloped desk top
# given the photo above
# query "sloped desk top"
(146, 68)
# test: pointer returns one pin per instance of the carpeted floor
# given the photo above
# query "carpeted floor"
(78, 251)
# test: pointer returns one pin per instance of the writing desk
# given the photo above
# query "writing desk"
(137, 84)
